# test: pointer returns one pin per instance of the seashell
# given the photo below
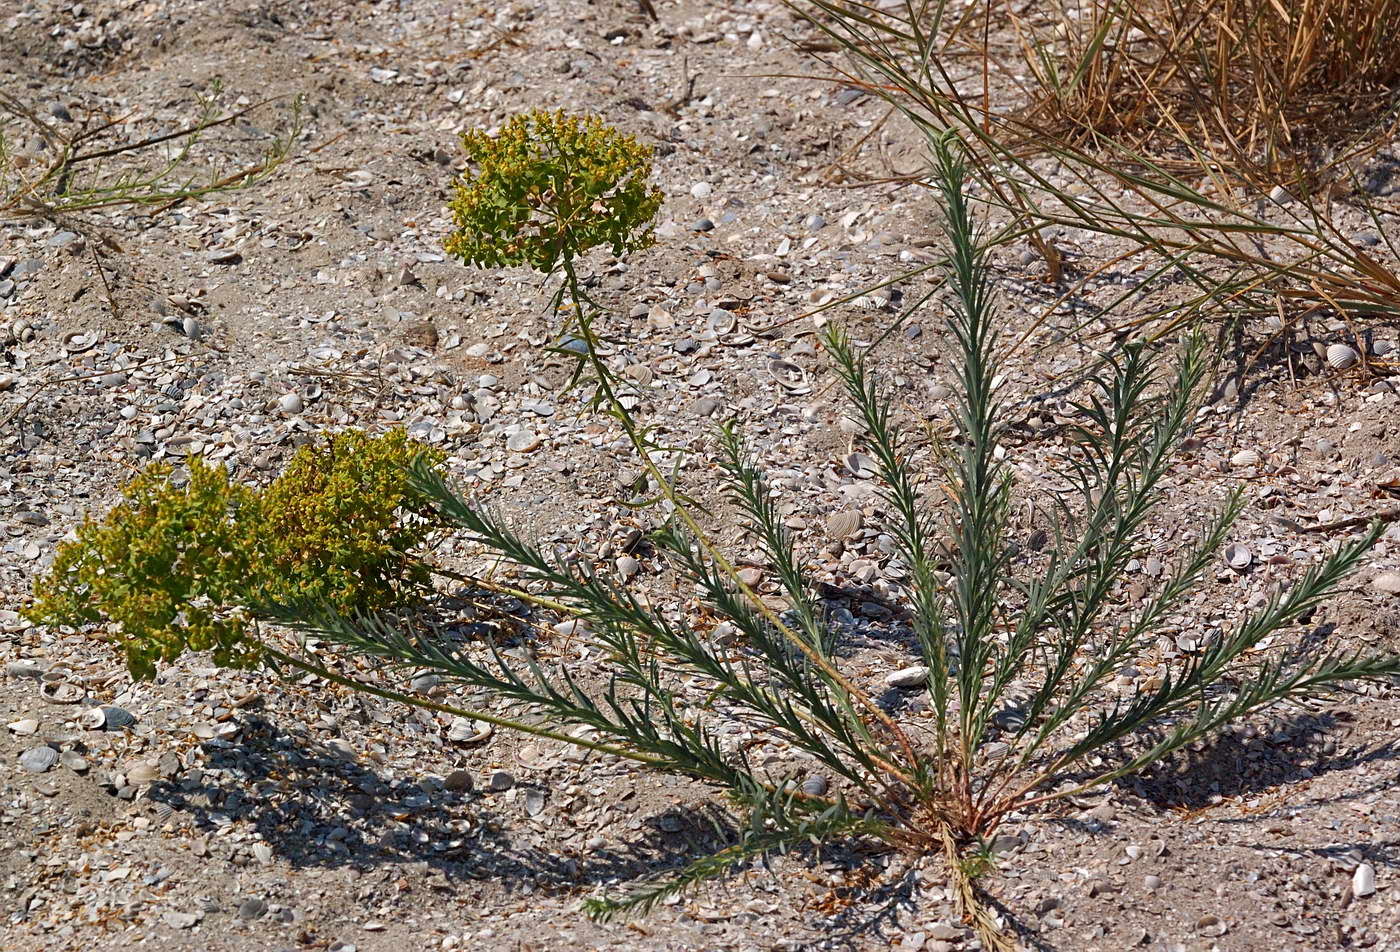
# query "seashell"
(24, 727)
(721, 322)
(629, 400)
(641, 373)
(1363, 881)
(73, 761)
(1341, 357)
(142, 772)
(843, 525)
(1238, 556)
(914, 676)
(61, 692)
(1382, 347)
(789, 376)
(38, 759)
(115, 718)
(860, 465)
(464, 730)
(75, 342)
(94, 719)
(571, 627)
(1245, 458)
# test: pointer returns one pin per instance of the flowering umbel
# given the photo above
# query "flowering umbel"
(549, 188)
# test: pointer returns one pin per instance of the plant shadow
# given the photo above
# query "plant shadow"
(315, 808)
(1246, 763)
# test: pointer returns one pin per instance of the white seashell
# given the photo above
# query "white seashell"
(24, 727)
(1340, 356)
(1363, 881)
(641, 373)
(464, 730)
(721, 322)
(906, 678)
(1239, 556)
(93, 719)
(38, 759)
(142, 772)
(860, 465)
(78, 341)
(628, 566)
(842, 525)
(1245, 458)
(1382, 347)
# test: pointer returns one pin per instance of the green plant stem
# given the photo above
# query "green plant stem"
(492, 719)
(580, 301)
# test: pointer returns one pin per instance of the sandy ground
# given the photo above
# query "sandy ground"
(237, 811)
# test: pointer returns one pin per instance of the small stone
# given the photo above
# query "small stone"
(290, 403)
(1152, 881)
(181, 920)
(224, 256)
(701, 190)
(190, 328)
(38, 759)
(750, 576)
(262, 853)
(24, 669)
(534, 802)
(703, 224)
(1363, 881)
(499, 781)
(73, 761)
(908, 678)
(458, 781)
(628, 566)
(1388, 583)
(252, 909)
(814, 222)
(522, 441)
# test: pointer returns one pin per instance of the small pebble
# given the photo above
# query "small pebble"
(908, 678)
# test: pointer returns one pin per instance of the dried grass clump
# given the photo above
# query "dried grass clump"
(1277, 92)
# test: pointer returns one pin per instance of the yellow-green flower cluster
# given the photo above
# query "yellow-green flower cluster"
(549, 188)
(171, 568)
